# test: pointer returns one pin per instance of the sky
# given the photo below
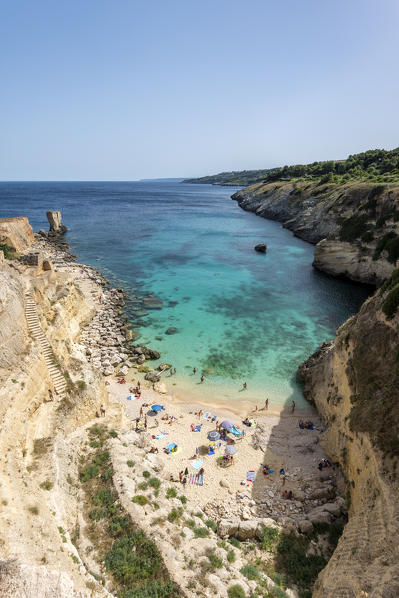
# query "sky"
(123, 90)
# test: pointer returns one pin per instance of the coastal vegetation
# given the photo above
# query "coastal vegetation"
(377, 165)
(130, 557)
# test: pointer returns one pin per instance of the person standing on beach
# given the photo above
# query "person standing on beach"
(267, 404)
(50, 394)
(141, 412)
(145, 422)
(180, 476)
(194, 371)
(293, 406)
(244, 386)
(102, 411)
(138, 384)
(174, 371)
(202, 378)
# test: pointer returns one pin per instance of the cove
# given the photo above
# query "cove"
(239, 315)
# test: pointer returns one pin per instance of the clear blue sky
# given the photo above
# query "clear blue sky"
(101, 90)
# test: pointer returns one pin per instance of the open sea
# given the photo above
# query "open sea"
(240, 316)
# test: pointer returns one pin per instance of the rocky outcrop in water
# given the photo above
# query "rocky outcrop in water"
(354, 226)
(354, 383)
(55, 221)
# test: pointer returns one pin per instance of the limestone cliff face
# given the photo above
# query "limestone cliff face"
(13, 333)
(16, 232)
(354, 383)
(355, 226)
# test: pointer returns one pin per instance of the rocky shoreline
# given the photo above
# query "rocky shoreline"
(108, 337)
(355, 227)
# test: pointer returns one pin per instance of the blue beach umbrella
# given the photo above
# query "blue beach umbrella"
(213, 436)
(156, 407)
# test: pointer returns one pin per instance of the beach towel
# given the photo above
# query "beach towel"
(198, 428)
(161, 435)
(200, 480)
(197, 464)
(211, 451)
(169, 447)
(213, 418)
(251, 476)
(206, 415)
(235, 431)
(193, 478)
(129, 398)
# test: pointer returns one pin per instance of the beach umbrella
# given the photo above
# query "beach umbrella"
(156, 407)
(227, 424)
(230, 450)
(213, 436)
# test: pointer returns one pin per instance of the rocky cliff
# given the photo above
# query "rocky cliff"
(355, 226)
(16, 233)
(354, 383)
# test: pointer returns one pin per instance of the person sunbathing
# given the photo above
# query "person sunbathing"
(287, 494)
(154, 449)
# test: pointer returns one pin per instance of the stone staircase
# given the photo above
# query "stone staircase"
(38, 334)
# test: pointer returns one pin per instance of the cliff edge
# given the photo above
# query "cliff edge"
(354, 383)
(355, 225)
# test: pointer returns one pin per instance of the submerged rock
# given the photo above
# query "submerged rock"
(171, 330)
(261, 248)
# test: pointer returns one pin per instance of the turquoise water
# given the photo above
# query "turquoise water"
(241, 316)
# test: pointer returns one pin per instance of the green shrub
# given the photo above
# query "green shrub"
(133, 558)
(199, 514)
(113, 433)
(88, 472)
(108, 473)
(140, 499)
(190, 523)
(46, 485)
(34, 510)
(175, 514)
(211, 524)
(153, 589)
(130, 463)
(201, 532)
(231, 556)
(119, 525)
(182, 499)
(101, 458)
(234, 542)
(236, 591)
(269, 537)
(146, 474)
(171, 493)
(154, 483)
(353, 227)
(142, 486)
(97, 514)
(391, 303)
(250, 572)
(81, 384)
(292, 559)
(215, 560)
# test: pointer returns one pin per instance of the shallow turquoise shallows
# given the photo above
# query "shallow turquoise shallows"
(240, 316)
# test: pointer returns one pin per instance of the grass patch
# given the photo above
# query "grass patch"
(215, 560)
(269, 538)
(154, 483)
(201, 532)
(234, 542)
(182, 499)
(175, 514)
(146, 474)
(140, 499)
(236, 591)
(250, 572)
(130, 463)
(46, 485)
(231, 556)
(171, 493)
(211, 524)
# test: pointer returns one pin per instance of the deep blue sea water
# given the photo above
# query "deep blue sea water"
(241, 316)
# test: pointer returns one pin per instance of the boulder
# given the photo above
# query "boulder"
(124, 370)
(305, 526)
(109, 370)
(152, 376)
(16, 233)
(319, 516)
(333, 508)
(160, 387)
(261, 248)
(164, 366)
(227, 528)
(247, 529)
(151, 353)
(171, 330)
